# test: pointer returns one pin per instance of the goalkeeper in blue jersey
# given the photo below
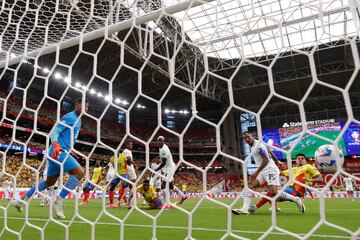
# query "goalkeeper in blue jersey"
(63, 138)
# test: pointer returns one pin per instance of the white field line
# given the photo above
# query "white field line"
(185, 228)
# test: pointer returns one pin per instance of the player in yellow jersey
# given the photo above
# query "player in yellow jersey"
(121, 163)
(150, 195)
(303, 173)
(184, 188)
(88, 186)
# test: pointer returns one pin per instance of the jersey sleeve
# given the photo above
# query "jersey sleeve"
(262, 150)
(286, 173)
(312, 170)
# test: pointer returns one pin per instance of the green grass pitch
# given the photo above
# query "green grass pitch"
(209, 221)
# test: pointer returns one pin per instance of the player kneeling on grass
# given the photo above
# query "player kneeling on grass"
(150, 195)
(267, 172)
(303, 172)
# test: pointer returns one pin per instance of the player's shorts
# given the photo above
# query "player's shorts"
(169, 174)
(70, 163)
(109, 176)
(269, 175)
(156, 203)
(349, 188)
(291, 190)
(156, 182)
(89, 186)
(132, 174)
(116, 180)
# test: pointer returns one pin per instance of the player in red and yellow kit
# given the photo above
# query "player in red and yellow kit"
(303, 173)
(150, 195)
(121, 163)
(96, 177)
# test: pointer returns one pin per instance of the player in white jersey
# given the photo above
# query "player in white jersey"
(131, 170)
(168, 168)
(7, 189)
(110, 173)
(349, 187)
(266, 172)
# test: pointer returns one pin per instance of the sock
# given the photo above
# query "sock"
(111, 197)
(86, 196)
(121, 193)
(263, 200)
(41, 186)
(287, 197)
(178, 191)
(70, 184)
(247, 200)
(124, 197)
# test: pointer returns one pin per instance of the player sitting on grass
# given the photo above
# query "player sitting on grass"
(155, 180)
(61, 145)
(88, 186)
(267, 172)
(150, 195)
(122, 162)
(302, 172)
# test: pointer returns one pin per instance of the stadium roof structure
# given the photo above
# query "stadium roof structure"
(209, 39)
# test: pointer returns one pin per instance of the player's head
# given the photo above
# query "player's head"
(161, 140)
(300, 159)
(146, 184)
(97, 163)
(129, 145)
(248, 138)
(78, 105)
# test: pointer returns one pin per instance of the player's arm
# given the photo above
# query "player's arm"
(133, 163)
(163, 162)
(59, 128)
(316, 176)
(276, 160)
(264, 162)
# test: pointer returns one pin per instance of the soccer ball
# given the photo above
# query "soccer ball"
(326, 157)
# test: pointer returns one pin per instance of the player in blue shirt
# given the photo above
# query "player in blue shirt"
(63, 138)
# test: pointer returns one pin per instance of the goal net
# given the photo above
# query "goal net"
(199, 73)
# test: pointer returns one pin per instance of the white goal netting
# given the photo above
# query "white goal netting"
(182, 69)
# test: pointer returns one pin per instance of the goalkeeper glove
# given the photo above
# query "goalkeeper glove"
(56, 150)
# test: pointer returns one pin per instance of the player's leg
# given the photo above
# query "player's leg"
(43, 198)
(290, 194)
(7, 194)
(350, 195)
(112, 186)
(76, 173)
(122, 190)
(52, 176)
(86, 192)
(182, 196)
(247, 195)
